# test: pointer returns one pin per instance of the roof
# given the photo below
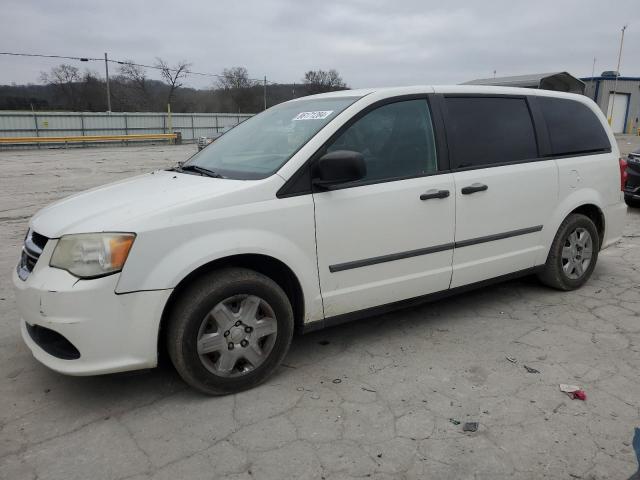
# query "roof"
(375, 94)
(559, 81)
(361, 92)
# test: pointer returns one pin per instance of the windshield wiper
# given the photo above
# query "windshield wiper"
(201, 170)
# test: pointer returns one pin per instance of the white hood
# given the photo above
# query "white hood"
(127, 204)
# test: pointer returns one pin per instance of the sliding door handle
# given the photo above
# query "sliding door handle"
(434, 194)
(473, 188)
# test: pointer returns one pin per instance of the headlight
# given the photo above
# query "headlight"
(91, 255)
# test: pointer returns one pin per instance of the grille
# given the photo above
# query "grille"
(34, 243)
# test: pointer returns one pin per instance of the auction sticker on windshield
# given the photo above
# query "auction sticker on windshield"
(319, 115)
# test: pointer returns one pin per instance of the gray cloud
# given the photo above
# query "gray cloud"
(371, 42)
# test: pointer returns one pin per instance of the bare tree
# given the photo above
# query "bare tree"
(172, 76)
(64, 78)
(236, 82)
(91, 93)
(137, 77)
(235, 77)
(318, 81)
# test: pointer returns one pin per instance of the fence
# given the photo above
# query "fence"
(72, 124)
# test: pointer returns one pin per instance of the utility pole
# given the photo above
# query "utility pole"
(264, 93)
(615, 84)
(106, 70)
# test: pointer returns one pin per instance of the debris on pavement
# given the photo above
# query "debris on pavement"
(470, 427)
(573, 391)
(368, 390)
(454, 421)
(511, 359)
(336, 380)
(530, 370)
(580, 395)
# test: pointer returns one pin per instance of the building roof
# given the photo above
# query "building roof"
(620, 78)
(560, 81)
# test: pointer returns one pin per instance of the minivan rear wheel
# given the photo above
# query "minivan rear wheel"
(573, 254)
(229, 330)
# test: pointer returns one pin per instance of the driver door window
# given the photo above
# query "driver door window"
(396, 141)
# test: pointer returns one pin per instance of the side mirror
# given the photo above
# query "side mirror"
(338, 167)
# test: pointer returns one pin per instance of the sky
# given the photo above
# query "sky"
(370, 42)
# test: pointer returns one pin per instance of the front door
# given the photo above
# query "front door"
(389, 236)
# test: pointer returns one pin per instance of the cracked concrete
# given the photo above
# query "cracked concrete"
(402, 378)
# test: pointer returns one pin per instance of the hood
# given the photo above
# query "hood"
(127, 204)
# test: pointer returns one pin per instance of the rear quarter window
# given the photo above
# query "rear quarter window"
(573, 127)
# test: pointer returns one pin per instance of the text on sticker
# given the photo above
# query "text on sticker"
(319, 115)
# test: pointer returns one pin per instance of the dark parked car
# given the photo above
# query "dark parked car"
(632, 184)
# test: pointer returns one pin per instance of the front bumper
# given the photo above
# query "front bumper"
(111, 332)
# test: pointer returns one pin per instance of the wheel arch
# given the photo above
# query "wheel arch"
(597, 217)
(269, 266)
(586, 201)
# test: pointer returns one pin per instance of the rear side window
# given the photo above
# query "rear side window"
(573, 127)
(485, 131)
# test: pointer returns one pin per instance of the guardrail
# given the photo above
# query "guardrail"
(171, 137)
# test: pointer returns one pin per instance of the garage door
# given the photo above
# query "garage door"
(619, 111)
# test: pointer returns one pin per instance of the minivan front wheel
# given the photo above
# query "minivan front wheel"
(229, 330)
(573, 254)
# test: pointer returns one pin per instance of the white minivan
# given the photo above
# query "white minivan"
(318, 211)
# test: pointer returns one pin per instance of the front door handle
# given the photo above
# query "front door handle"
(434, 194)
(473, 188)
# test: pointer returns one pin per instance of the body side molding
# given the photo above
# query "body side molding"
(339, 267)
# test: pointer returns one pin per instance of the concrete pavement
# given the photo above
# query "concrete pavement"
(379, 398)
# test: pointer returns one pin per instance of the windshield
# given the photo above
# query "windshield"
(259, 146)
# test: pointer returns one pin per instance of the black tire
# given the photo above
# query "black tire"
(195, 303)
(553, 274)
(631, 202)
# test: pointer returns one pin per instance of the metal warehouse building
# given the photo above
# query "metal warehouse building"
(560, 81)
(626, 105)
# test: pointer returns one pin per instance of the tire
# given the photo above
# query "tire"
(245, 304)
(632, 202)
(559, 272)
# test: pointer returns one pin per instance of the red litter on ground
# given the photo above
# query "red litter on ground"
(573, 391)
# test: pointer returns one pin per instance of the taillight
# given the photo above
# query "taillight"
(623, 173)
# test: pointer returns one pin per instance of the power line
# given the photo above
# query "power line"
(81, 59)
(125, 62)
